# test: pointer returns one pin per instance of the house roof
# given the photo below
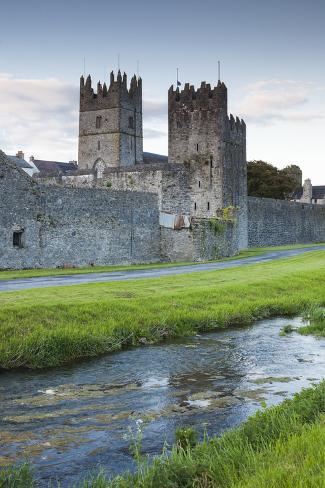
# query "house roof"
(54, 166)
(318, 192)
(20, 162)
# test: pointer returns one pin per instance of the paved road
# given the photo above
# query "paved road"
(77, 279)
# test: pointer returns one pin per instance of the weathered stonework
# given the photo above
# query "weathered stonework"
(116, 209)
(110, 124)
(275, 222)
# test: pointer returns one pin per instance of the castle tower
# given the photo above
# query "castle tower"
(110, 123)
(201, 135)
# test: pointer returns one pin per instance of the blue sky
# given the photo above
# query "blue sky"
(272, 60)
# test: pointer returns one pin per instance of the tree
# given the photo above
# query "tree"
(265, 180)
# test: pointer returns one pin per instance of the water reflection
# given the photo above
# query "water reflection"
(71, 420)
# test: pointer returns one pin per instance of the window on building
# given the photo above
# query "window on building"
(199, 184)
(208, 205)
(211, 162)
(194, 205)
(315, 200)
(98, 122)
(131, 123)
(17, 238)
(197, 147)
(98, 145)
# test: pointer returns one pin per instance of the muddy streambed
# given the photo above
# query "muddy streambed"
(69, 421)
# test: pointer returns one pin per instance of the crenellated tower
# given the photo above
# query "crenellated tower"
(110, 123)
(212, 144)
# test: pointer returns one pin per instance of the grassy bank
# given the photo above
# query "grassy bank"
(316, 317)
(280, 447)
(34, 273)
(51, 326)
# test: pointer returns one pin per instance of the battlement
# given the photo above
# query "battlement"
(236, 126)
(205, 97)
(117, 94)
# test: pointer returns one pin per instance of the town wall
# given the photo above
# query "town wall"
(74, 226)
(276, 222)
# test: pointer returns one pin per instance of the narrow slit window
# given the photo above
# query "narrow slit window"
(131, 123)
(208, 205)
(98, 122)
(98, 145)
(211, 162)
(197, 147)
(194, 205)
(17, 239)
(199, 184)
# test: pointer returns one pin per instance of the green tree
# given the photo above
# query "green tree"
(265, 180)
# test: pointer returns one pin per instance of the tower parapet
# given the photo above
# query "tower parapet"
(204, 97)
(115, 95)
(110, 123)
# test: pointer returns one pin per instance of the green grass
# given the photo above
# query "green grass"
(280, 447)
(34, 273)
(316, 317)
(52, 326)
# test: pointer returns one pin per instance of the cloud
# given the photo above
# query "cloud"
(269, 101)
(153, 133)
(155, 109)
(40, 116)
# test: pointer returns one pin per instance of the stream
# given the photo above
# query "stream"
(69, 421)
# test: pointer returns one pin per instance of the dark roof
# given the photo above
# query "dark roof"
(20, 162)
(152, 158)
(54, 166)
(318, 192)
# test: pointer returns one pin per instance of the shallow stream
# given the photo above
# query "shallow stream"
(69, 421)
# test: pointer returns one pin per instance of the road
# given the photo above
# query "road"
(78, 279)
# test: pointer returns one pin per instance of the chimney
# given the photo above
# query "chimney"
(20, 155)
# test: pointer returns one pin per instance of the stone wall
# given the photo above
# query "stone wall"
(74, 226)
(276, 222)
(203, 241)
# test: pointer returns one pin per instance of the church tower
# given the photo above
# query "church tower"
(110, 123)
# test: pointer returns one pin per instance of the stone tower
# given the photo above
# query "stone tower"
(307, 192)
(213, 145)
(110, 123)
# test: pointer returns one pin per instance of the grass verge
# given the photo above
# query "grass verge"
(51, 326)
(34, 273)
(280, 447)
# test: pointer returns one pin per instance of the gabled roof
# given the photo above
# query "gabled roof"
(318, 192)
(20, 162)
(54, 166)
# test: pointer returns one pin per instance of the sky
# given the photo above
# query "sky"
(272, 61)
